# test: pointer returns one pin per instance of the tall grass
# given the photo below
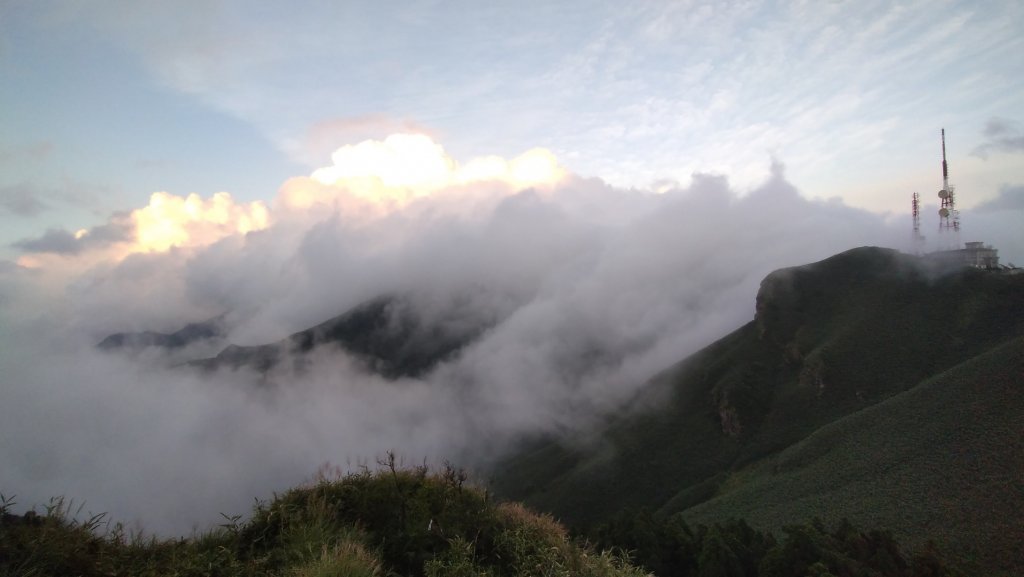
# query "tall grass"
(391, 521)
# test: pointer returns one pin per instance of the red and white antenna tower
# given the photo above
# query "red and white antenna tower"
(949, 216)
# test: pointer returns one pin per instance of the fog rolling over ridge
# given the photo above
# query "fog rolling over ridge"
(584, 290)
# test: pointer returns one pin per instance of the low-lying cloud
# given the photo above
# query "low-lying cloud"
(586, 291)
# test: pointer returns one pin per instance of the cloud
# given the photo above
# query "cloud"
(1010, 198)
(1001, 135)
(62, 242)
(586, 291)
(22, 199)
(403, 167)
(32, 152)
(173, 221)
(322, 137)
(828, 86)
(28, 199)
(997, 222)
(56, 241)
(167, 221)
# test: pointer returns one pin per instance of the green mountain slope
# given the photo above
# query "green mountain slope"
(942, 461)
(829, 340)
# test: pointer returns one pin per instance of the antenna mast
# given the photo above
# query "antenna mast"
(949, 216)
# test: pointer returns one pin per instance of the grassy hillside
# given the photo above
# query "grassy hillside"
(391, 522)
(942, 461)
(829, 340)
(412, 522)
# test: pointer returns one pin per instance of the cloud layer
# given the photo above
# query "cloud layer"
(1001, 135)
(588, 289)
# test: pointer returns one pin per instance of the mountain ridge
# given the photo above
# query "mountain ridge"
(828, 340)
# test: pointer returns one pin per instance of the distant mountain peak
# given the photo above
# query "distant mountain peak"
(187, 335)
(389, 334)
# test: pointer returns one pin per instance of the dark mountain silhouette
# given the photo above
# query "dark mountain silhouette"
(191, 333)
(388, 334)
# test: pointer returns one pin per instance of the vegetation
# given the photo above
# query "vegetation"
(413, 522)
(668, 546)
(389, 522)
(939, 462)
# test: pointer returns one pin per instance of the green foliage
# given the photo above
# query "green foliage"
(935, 462)
(668, 546)
(393, 521)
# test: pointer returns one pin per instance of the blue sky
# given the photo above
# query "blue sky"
(103, 103)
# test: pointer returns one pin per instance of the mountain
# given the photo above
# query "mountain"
(868, 386)
(190, 334)
(389, 334)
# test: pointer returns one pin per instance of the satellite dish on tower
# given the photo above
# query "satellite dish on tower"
(943, 193)
(943, 212)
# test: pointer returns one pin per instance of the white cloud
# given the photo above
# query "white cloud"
(390, 173)
(587, 289)
(167, 222)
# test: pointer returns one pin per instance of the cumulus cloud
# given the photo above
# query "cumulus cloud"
(1001, 135)
(406, 166)
(322, 136)
(63, 242)
(585, 290)
(172, 221)
(167, 222)
(55, 240)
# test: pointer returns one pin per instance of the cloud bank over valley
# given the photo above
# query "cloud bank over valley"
(572, 293)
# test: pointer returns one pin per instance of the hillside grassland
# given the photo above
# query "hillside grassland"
(417, 523)
(943, 461)
(389, 522)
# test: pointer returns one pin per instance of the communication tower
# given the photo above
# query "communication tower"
(949, 216)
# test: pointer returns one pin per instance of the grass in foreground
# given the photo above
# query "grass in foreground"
(389, 522)
(432, 524)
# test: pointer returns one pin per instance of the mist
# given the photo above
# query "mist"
(586, 291)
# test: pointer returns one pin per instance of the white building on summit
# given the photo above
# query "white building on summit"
(974, 254)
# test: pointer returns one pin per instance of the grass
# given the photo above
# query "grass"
(388, 522)
(942, 461)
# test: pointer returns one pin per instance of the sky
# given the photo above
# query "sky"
(602, 185)
(104, 103)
